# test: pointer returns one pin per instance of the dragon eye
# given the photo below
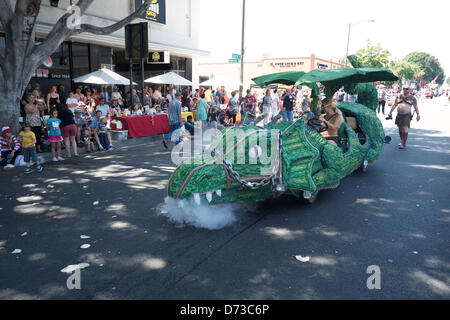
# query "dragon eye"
(255, 152)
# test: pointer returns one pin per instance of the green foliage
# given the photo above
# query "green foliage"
(428, 64)
(406, 70)
(373, 56)
(448, 80)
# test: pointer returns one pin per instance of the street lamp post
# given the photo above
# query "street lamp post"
(348, 37)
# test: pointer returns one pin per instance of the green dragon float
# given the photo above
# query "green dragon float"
(249, 163)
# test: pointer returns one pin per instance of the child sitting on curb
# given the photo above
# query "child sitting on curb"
(9, 146)
(29, 148)
(190, 126)
(86, 140)
(81, 123)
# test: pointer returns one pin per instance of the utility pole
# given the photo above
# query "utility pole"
(348, 41)
(348, 38)
(241, 87)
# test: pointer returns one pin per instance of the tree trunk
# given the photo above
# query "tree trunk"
(22, 56)
(9, 109)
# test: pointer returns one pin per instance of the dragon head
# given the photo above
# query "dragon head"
(238, 167)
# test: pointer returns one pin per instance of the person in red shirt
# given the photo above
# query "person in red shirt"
(225, 98)
(249, 102)
(96, 96)
(9, 145)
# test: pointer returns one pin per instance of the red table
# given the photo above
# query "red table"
(144, 126)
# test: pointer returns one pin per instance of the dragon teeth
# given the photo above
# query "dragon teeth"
(219, 193)
(197, 198)
(209, 196)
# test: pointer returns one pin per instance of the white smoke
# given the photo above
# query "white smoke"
(186, 212)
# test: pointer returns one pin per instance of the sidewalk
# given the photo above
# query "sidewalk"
(47, 156)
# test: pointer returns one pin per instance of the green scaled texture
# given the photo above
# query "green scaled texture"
(251, 164)
(370, 125)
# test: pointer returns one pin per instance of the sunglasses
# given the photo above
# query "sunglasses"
(406, 89)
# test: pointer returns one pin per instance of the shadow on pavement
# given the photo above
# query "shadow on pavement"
(399, 207)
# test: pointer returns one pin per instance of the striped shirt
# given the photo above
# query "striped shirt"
(5, 146)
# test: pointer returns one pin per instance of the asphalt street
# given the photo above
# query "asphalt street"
(395, 216)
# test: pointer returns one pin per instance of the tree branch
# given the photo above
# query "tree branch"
(60, 30)
(6, 12)
(114, 27)
(35, 12)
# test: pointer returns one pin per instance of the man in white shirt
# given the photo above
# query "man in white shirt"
(157, 94)
(72, 102)
(116, 95)
(104, 108)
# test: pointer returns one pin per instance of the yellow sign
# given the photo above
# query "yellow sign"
(156, 11)
(156, 56)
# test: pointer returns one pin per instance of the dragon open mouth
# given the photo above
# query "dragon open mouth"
(208, 196)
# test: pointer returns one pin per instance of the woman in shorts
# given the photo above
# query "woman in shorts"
(68, 129)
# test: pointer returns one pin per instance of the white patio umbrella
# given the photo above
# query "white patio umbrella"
(218, 81)
(103, 76)
(170, 78)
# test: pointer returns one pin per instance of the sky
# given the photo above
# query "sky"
(298, 28)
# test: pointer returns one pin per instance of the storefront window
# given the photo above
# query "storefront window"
(60, 63)
(55, 70)
(80, 54)
(100, 56)
(182, 66)
(119, 57)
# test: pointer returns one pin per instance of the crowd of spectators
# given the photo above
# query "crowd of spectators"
(60, 119)
(80, 118)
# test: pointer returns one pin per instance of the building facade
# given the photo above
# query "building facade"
(172, 34)
(254, 69)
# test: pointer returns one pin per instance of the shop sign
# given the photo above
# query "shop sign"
(48, 62)
(156, 12)
(45, 73)
(322, 66)
(59, 76)
(287, 64)
(158, 57)
(41, 73)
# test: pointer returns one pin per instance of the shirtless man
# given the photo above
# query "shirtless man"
(404, 102)
(333, 118)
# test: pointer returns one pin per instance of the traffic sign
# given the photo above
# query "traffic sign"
(236, 56)
(233, 60)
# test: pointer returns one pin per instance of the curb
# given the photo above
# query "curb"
(47, 156)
